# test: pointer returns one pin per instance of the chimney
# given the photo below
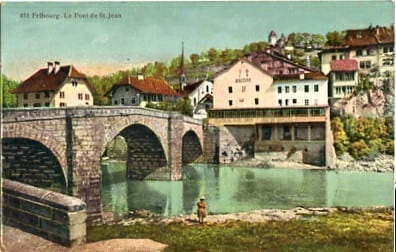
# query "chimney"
(140, 76)
(57, 67)
(50, 67)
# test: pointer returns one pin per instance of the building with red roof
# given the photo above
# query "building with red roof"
(343, 77)
(372, 48)
(55, 86)
(140, 90)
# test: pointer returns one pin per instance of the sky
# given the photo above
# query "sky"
(82, 34)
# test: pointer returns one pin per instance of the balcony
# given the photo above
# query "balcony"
(219, 117)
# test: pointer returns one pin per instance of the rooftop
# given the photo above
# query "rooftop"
(50, 80)
(343, 65)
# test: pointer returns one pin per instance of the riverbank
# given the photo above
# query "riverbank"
(381, 163)
(302, 229)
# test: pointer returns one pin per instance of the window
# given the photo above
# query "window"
(74, 83)
(133, 100)
(294, 88)
(279, 90)
(207, 88)
(333, 57)
(359, 52)
(361, 64)
(86, 97)
(25, 105)
(38, 96)
(257, 88)
(241, 100)
(287, 102)
(160, 98)
(287, 89)
(280, 102)
(256, 101)
(195, 101)
(47, 104)
(243, 89)
(342, 57)
(37, 105)
(62, 94)
(306, 102)
(122, 101)
(385, 49)
(127, 89)
(115, 102)
(80, 96)
(368, 64)
(316, 88)
(230, 90)
(46, 94)
(230, 102)
(62, 104)
(294, 101)
(25, 96)
(306, 88)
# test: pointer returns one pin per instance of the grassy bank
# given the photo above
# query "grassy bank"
(342, 231)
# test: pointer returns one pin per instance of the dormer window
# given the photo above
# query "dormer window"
(74, 83)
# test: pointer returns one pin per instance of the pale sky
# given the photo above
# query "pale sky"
(153, 31)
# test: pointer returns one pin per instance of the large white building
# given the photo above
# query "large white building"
(309, 89)
(200, 94)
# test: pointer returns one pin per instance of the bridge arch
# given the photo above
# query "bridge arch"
(55, 146)
(191, 147)
(31, 162)
(146, 154)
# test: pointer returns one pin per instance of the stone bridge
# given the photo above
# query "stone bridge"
(62, 148)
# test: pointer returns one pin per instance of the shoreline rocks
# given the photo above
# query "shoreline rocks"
(381, 163)
(254, 216)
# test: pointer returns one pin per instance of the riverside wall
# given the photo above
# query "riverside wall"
(54, 216)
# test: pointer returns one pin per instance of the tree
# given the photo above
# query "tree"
(335, 38)
(8, 99)
(194, 59)
(213, 55)
(183, 105)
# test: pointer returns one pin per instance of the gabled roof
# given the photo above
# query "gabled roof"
(369, 36)
(243, 61)
(275, 55)
(146, 85)
(42, 81)
(307, 76)
(344, 65)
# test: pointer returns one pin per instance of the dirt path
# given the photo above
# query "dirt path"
(15, 240)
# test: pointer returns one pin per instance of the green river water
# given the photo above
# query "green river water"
(236, 189)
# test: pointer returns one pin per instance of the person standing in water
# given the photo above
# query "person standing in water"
(201, 212)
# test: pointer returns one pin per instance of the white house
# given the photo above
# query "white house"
(301, 90)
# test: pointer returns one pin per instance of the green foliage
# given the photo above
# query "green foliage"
(362, 136)
(335, 38)
(8, 100)
(183, 105)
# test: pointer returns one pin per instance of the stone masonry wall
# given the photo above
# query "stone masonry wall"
(32, 163)
(52, 215)
(145, 153)
(192, 150)
(236, 142)
(211, 145)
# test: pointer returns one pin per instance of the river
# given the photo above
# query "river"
(235, 189)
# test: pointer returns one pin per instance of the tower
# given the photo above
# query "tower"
(182, 71)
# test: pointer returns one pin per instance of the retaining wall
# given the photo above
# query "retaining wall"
(54, 216)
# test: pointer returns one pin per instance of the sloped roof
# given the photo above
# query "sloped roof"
(190, 88)
(307, 76)
(236, 62)
(42, 81)
(343, 65)
(369, 36)
(147, 85)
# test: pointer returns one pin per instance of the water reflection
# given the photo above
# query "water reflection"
(234, 189)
